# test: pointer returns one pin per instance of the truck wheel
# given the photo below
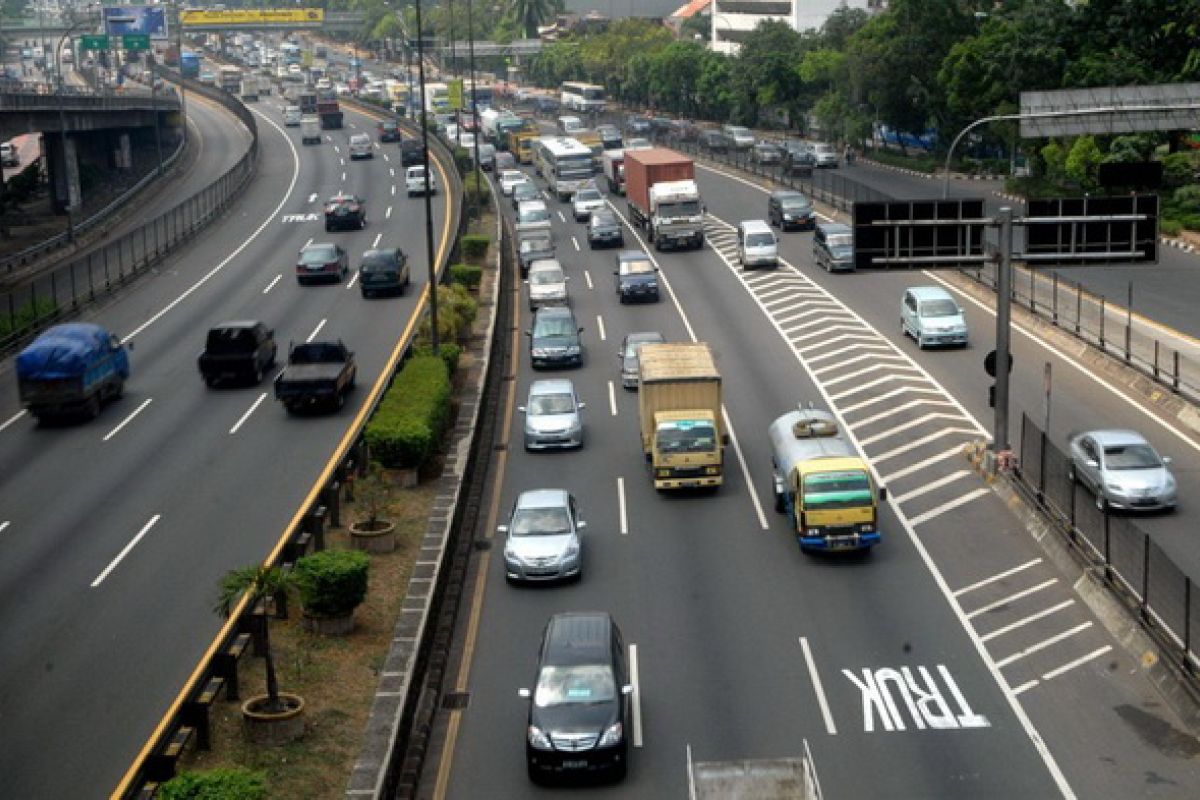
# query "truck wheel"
(92, 410)
(779, 506)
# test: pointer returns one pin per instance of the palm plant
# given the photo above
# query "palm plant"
(531, 14)
(259, 583)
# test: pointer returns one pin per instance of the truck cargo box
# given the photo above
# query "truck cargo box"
(644, 168)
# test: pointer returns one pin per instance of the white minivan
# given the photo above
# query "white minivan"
(931, 316)
(414, 181)
(756, 244)
(360, 146)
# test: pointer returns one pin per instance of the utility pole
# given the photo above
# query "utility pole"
(474, 99)
(433, 284)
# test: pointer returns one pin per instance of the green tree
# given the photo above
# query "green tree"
(532, 14)
(1083, 162)
(258, 583)
(764, 73)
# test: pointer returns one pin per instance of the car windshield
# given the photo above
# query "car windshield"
(686, 436)
(534, 215)
(584, 684)
(554, 326)
(318, 255)
(633, 345)
(603, 220)
(839, 240)
(551, 404)
(638, 267)
(542, 277)
(842, 489)
(230, 340)
(540, 522)
(760, 240)
(738, 131)
(823, 148)
(1131, 456)
(939, 308)
(416, 174)
(378, 264)
(536, 245)
(588, 195)
(796, 204)
(525, 190)
(513, 176)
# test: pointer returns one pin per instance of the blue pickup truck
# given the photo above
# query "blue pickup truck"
(71, 370)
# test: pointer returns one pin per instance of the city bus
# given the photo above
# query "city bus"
(564, 163)
(189, 64)
(578, 96)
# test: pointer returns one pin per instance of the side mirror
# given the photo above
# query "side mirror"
(627, 689)
(521, 409)
(580, 330)
(501, 529)
(1091, 462)
(529, 333)
(524, 693)
(581, 406)
(1166, 460)
(616, 272)
(882, 493)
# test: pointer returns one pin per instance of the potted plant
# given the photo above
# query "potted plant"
(274, 717)
(370, 532)
(332, 584)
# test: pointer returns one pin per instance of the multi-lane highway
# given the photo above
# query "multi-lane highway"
(115, 533)
(954, 661)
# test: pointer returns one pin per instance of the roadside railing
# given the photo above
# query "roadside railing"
(187, 720)
(1131, 563)
(64, 290)
(1101, 322)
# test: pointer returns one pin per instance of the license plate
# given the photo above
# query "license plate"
(842, 542)
(575, 764)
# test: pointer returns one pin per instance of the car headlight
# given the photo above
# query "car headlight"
(662, 473)
(712, 470)
(866, 527)
(539, 352)
(538, 738)
(1115, 487)
(613, 735)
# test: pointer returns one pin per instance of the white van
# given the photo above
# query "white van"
(8, 155)
(756, 244)
(414, 181)
(360, 146)
(569, 126)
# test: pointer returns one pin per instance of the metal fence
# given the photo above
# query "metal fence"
(1103, 322)
(63, 291)
(1133, 564)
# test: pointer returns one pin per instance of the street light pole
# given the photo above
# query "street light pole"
(474, 99)
(433, 285)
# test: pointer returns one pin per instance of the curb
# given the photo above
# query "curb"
(1010, 197)
(1178, 244)
(962, 176)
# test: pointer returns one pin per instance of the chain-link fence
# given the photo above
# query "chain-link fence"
(1133, 563)
(52, 296)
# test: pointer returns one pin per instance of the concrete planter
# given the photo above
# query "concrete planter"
(377, 538)
(273, 727)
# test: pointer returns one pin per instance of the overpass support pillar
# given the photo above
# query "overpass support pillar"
(62, 160)
(123, 154)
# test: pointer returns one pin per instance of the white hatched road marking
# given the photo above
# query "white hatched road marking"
(1012, 598)
(999, 576)
(924, 440)
(1042, 645)
(950, 506)
(920, 465)
(826, 715)
(1070, 665)
(862, 423)
(1012, 626)
(621, 505)
(859, 336)
(878, 357)
(929, 487)
(879, 437)
(971, 427)
(879, 398)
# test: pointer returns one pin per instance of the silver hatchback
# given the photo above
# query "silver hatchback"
(542, 537)
(552, 417)
(1122, 470)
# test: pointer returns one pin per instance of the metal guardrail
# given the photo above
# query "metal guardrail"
(1132, 564)
(188, 713)
(64, 291)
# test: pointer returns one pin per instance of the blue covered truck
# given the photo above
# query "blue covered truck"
(70, 370)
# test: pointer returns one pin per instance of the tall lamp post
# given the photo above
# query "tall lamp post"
(474, 98)
(62, 113)
(433, 298)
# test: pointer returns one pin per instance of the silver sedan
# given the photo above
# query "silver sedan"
(543, 537)
(552, 417)
(1122, 470)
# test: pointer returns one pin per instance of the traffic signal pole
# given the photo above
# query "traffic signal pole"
(1003, 329)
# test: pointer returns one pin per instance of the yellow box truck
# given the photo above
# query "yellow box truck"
(679, 405)
(822, 484)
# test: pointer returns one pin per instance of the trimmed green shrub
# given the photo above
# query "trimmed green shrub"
(1169, 227)
(477, 193)
(332, 583)
(462, 159)
(413, 414)
(27, 315)
(468, 275)
(216, 784)
(474, 246)
(449, 352)
(454, 300)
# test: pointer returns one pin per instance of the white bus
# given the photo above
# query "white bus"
(565, 163)
(229, 78)
(578, 96)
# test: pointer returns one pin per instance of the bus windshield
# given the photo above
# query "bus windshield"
(840, 489)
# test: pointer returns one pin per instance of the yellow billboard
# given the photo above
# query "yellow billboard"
(259, 16)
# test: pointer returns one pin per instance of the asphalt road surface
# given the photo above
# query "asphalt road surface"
(745, 647)
(117, 532)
